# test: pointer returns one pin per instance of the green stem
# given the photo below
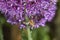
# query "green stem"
(29, 33)
(1, 34)
(28, 29)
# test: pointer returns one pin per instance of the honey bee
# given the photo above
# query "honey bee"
(31, 22)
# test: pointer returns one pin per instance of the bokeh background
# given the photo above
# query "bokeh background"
(50, 32)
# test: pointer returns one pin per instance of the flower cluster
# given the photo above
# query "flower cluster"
(37, 11)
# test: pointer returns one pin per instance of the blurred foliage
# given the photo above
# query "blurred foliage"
(2, 21)
(41, 33)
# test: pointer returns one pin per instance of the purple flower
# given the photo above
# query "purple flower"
(37, 11)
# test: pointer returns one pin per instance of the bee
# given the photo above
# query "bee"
(31, 22)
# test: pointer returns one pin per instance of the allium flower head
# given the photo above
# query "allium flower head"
(37, 11)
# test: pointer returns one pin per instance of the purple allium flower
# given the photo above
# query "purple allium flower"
(37, 11)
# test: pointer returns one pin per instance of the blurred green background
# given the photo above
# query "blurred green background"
(50, 32)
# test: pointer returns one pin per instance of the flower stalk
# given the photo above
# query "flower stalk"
(28, 29)
(29, 33)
